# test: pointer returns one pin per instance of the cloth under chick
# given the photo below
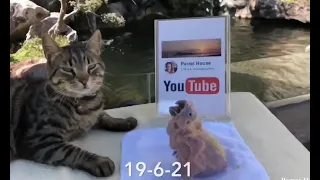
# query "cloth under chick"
(192, 144)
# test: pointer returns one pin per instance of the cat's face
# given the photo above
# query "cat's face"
(75, 70)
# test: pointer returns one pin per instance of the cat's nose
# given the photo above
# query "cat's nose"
(83, 79)
(84, 82)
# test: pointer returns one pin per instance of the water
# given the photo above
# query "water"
(130, 60)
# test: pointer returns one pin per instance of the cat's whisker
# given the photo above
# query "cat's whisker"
(107, 84)
(109, 90)
(52, 97)
(58, 97)
(106, 72)
(62, 99)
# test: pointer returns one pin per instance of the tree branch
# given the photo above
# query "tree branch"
(63, 10)
(70, 16)
(55, 29)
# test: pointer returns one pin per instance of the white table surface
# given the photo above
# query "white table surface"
(282, 155)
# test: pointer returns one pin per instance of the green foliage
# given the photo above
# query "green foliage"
(113, 20)
(32, 49)
(12, 59)
(306, 2)
(86, 5)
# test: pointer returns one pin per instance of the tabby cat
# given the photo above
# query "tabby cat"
(47, 114)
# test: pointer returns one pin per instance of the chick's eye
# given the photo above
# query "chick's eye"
(190, 114)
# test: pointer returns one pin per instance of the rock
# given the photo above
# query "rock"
(50, 5)
(268, 9)
(38, 29)
(119, 13)
(88, 13)
(107, 42)
(157, 10)
(92, 21)
(239, 8)
(244, 13)
(30, 70)
(273, 9)
(24, 13)
(130, 9)
(234, 3)
(192, 8)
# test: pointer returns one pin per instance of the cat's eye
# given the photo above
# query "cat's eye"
(66, 69)
(92, 67)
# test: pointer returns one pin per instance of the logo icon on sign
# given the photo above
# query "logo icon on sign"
(200, 85)
(204, 85)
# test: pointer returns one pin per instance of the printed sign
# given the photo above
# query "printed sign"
(192, 63)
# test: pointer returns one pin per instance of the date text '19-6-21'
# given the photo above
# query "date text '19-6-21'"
(158, 171)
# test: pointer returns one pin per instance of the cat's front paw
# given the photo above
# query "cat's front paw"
(101, 167)
(131, 123)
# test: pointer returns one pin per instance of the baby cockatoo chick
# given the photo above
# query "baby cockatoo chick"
(192, 144)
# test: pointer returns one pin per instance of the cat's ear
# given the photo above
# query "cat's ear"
(94, 43)
(50, 47)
